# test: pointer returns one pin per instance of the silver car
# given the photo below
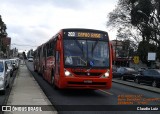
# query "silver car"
(15, 63)
(4, 76)
(10, 66)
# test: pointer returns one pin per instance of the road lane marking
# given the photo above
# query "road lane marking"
(105, 92)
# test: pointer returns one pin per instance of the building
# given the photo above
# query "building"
(121, 55)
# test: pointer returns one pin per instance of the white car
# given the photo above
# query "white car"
(30, 59)
(15, 63)
(4, 76)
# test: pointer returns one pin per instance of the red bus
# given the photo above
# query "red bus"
(76, 58)
(38, 59)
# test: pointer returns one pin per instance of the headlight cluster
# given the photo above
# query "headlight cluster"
(67, 73)
(106, 75)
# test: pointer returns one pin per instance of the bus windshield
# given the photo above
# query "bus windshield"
(86, 53)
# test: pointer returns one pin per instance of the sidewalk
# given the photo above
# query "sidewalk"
(26, 91)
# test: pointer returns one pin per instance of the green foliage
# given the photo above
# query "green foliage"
(2, 34)
(144, 17)
(120, 18)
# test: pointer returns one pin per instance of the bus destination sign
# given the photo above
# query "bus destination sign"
(85, 34)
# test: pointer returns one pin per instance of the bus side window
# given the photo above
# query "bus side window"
(57, 57)
(57, 63)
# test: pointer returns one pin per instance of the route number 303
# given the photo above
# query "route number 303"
(71, 34)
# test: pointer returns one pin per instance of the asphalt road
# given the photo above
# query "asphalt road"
(98, 101)
(4, 98)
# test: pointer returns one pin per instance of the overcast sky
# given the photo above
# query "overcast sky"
(33, 22)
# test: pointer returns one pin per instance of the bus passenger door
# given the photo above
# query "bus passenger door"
(57, 66)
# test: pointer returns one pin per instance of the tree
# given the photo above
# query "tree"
(2, 28)
(2, 34)
(145, 18)
(120, 18)
(138, 20)
(143, 50)
(145, 15)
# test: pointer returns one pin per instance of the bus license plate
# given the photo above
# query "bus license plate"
(88, 81)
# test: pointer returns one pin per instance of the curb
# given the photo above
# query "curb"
(144, 87)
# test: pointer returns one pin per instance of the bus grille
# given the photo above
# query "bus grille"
(82, 83)
(87, 74)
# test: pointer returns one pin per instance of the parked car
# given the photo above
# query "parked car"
(125, 73)
(4, 76)
(140, 70)
(30, 59)
(10, 66)
(15, 63)
(149, 76)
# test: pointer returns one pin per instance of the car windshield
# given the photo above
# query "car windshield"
(1, 67)
(87, 53)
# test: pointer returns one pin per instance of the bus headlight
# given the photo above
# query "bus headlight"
(106, 75)
(67, 73)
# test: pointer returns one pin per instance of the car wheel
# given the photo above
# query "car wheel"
(137, 81)
(154, 83)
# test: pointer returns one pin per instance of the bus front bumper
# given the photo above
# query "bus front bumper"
(86, 83)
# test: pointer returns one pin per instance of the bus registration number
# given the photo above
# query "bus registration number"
(88, 81)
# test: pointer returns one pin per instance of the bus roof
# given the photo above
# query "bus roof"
(82, 29)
